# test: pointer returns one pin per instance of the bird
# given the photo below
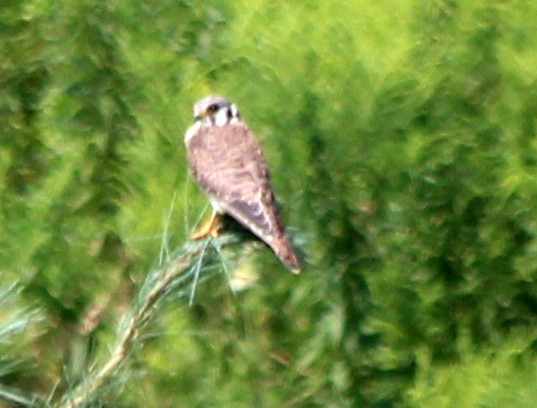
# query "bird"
(226, 160)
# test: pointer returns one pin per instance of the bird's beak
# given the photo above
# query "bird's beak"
(199, 113)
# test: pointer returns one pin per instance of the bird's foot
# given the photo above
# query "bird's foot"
(212, 228)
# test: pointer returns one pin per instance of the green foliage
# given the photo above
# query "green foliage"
(19, 326)
(503, 377)
(401, 138)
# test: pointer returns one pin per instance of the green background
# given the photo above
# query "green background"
(402, 141)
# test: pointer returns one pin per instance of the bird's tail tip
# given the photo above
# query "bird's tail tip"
(288, 256)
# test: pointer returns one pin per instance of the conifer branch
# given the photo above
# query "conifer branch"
(182, 271)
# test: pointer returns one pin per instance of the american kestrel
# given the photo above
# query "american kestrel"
(226, 160)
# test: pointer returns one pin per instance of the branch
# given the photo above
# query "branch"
(181, 271)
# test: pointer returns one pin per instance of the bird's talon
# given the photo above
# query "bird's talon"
(198, 235)
(211, 228)
(216, 231)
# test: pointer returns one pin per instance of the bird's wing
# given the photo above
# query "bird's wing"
(228, 164)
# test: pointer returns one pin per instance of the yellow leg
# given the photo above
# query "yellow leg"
(211, 228)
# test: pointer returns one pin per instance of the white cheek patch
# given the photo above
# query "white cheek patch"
(234, 114)
(221, 117)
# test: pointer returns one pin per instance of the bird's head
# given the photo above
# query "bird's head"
(215, 111)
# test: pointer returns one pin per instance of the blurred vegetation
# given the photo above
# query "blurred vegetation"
(402, 142)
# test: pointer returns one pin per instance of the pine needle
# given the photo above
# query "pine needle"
(183, 271)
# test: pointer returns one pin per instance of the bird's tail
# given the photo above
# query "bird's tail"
(284, 250)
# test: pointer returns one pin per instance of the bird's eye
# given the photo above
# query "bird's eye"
(212, 108)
